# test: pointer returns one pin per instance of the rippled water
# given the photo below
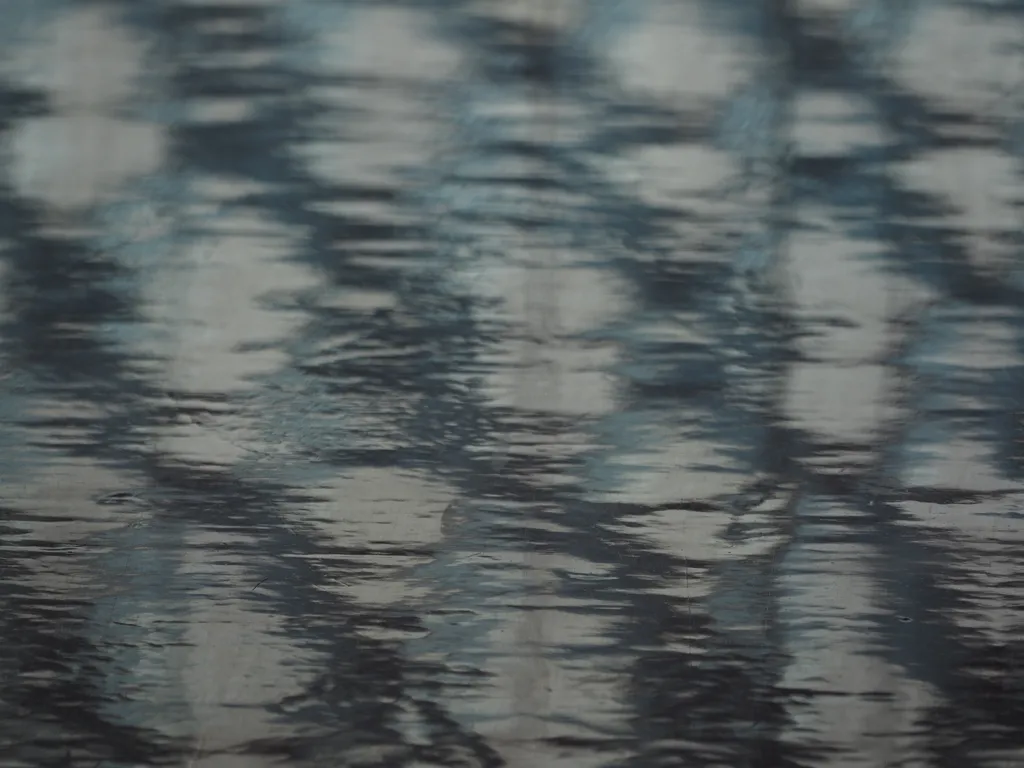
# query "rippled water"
(525, 383)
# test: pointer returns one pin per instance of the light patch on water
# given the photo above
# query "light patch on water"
(958, 58)
(673, 55)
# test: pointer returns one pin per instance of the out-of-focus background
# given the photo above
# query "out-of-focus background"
(528, 383)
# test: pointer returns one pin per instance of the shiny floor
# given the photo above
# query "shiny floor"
(528, 383)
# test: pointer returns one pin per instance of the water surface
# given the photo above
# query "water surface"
(527, 383)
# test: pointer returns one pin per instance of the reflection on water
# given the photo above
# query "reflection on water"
(525, 383)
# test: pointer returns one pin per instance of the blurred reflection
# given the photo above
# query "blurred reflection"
(525, 383)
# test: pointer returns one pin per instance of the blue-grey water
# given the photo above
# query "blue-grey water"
(527, 383)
